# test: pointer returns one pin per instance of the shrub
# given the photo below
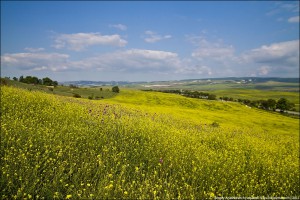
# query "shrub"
(76, 95)
(215, 124)
(3, 81)
(115, 89)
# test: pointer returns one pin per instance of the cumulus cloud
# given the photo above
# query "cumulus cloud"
(152, 37)
(275, 59)
(216, 51)
(282, 9)
(194, 69)
(121, 27)
(80, 41)
(294, 19)
(133, 60)
(143, 61)
(36, 61)
(283, 53)
(264, 70)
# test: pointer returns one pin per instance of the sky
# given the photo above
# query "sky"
(149, 41)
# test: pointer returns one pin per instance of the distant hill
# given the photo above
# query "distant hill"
(226, 79)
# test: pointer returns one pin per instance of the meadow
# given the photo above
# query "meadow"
(143, 145)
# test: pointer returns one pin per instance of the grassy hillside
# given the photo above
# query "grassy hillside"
(66, 90)
(143, 145)
(198, 111)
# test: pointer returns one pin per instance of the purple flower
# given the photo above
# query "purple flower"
(161, 161)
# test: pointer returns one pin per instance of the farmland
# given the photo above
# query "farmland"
(143, 145)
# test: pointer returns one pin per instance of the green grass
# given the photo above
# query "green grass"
(145, 145)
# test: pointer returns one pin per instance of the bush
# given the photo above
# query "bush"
(91, 96)
(215, 124)
(115, 89)
(3, 81)
(212, 97)
(76, 95)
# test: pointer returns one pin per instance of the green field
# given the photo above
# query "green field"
(252, 91)
(254, 94)
(143, 145)
(84, 92)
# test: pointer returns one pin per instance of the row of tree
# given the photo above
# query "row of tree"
(271, 104)
(192, 94)
(35, 80)
(282, 104)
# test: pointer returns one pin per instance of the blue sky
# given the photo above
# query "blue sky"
(148, 41)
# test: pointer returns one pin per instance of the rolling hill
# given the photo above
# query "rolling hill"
(143, 145)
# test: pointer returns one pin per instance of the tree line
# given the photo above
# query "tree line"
(271, 104)
(35, 80)
(192, 94)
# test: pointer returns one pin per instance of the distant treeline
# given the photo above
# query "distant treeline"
(35, 80)
(282, 104)
(192, 94)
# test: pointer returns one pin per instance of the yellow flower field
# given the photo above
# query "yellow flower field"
(143, 145)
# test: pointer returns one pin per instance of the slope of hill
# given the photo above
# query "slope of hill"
(143, 145)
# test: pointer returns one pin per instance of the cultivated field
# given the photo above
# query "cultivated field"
(143, 145)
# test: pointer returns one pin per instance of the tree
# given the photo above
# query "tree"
(271, 104)
(264, 104)
(3, 81)
(283, 104)
(115, 89)
(212, 97)
(15, 78)
(21, 79)
(47, 81)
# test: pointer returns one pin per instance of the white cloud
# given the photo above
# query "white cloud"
(33, 50)
(264, 70)
(194, 69)
(214, 52)
(211, 50)
(121, 27)
(280, 7)
(283, 53)
(134, 60)
(152, 37)
(143, 61)
(35, 61)
(294, 19)
(79, 41)
(277, 59)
